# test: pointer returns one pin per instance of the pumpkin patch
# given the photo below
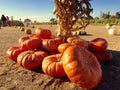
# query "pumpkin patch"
(76, 58)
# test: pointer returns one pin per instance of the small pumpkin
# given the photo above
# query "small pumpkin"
(52, 44)
(31, 59)
(98, 44)
(62, 47)
(82, 67)
(13, 52)
(43, 33)
(53, 66)
(76, 40)
(28, 31)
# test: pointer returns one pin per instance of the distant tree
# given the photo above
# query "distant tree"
(53, 21)
(105, 15)
(27, 21)
(117, 15)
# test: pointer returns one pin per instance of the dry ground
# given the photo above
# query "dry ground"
(14, 77)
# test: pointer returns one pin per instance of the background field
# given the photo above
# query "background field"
(14, 77)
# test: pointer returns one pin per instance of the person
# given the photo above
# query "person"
(3, 19)
(8, 21)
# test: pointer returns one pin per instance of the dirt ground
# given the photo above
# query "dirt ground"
(14, 77)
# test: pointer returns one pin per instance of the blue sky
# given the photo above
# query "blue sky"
(42, 10)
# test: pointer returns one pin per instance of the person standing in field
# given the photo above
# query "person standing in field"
(8, 21)
(3, 19)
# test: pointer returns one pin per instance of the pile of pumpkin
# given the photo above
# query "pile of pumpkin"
(76, 58)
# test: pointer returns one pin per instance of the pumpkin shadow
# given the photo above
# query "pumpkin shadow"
(111, 74)
(87, 35)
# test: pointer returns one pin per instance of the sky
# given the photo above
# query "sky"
(42, 10)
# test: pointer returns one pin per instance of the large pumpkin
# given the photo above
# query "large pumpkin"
(53, 66)
(98, 44)
(82, 67)
(13, 52)
(31, 59)
(52, 44)
(78, 41)
(104, 57)
(43, 33)
(31, 43)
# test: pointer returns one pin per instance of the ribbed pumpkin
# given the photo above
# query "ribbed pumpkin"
(52, 44)
(43, 33)
(53, 66)
(31, 59)
(82, 67)
(76, 40)
(13, 52)
(31, 43)
(62, 47)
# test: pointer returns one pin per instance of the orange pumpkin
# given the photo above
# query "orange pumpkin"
(23, 38)
(62, 47)
(31, 43)
(52, 44)
(53, 66)
(31, 59)
(82, 67)
(13, 52)
(78, 41)
(98, 44)
(28, 31)
(43, 33)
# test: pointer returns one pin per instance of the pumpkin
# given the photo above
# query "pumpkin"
(31, 43)
(43, 33)
(98, 44)
(31, 59)
(78, 41)
(23, 38)
(104, 57)
(28, 31)
(62, 47)
(13, 52)
(53, 66)
(52, 44)
(82, 67)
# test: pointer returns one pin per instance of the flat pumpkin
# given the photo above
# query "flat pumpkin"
(31, 59)
(13, 52)
(52, 44)
(82, 67)
(53, 66)
(31, 43)
(43, 33)
(75, 40)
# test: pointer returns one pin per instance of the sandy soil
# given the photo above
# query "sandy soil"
(14, 77)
